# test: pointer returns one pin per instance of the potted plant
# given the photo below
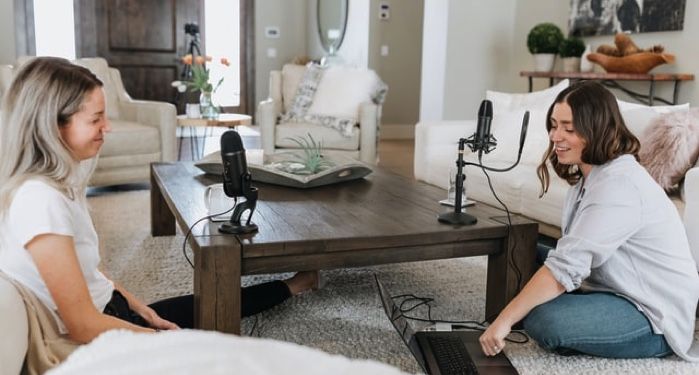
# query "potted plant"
(543, 41)
(570, 51)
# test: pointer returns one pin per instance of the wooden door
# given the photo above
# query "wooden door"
(143, 39)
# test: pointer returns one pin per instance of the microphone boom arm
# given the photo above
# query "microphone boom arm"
(460, 218)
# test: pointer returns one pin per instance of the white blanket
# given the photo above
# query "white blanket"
(203, 352)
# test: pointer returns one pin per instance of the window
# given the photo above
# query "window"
(223, 40)
(54, 31)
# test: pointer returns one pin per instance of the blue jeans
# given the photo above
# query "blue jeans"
(595, 323)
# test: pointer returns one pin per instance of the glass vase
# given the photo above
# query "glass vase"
(208, 109)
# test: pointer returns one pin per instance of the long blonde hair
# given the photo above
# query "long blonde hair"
(43, 96)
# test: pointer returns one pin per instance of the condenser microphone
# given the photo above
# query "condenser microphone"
(237, 183)
(481, 141)
(235, 165)
(485, 117)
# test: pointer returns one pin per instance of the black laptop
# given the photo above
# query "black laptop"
(445, 352)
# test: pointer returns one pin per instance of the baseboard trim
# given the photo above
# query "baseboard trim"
(397, 131)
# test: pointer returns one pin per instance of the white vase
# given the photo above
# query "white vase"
(585, 64)
(543, 62)
(571, 64)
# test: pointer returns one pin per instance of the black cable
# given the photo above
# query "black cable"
(252, 330)
(510, 247)
(184, 243)
(456, 324)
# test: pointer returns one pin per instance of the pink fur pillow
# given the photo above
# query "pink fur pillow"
(670, 146)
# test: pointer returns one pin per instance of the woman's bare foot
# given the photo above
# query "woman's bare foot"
(303, 281)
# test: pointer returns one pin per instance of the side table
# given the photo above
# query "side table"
(226, 120)
(611, 80)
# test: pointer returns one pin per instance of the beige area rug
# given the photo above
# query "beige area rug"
(346, 316)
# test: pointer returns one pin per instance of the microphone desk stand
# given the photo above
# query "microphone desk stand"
(458, 217)
(234, 226)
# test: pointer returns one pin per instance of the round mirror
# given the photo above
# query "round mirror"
(332, 20)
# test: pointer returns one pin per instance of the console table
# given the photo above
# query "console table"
(611, 80)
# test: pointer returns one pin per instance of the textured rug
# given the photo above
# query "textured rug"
(345, 317)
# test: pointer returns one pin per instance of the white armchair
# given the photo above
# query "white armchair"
(143, 132)
(361, 144)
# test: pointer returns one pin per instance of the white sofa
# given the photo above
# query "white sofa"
(14, 328)
(276, 135)
(143, 132)
(436, 152)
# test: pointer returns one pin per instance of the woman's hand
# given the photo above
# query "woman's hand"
(155, 321)
(493, 339)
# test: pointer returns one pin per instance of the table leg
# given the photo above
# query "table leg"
(217, 304)
(510, 269)
(162, 220)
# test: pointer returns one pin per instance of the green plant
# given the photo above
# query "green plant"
(544, 38)
(200, 80)
(312, 158)
(571, 47)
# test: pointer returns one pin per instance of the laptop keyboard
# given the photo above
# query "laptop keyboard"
(452, 357)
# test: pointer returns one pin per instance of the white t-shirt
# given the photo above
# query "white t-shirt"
(38, 208)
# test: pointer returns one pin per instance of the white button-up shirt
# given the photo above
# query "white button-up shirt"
(622, 234)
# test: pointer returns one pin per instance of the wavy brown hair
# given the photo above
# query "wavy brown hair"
(596, 118)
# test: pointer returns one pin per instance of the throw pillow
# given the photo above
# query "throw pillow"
(342, 90)
(291, 77)
(506, 128)
(331, 97)
(538, 100)
(639, 118)
(670, 146)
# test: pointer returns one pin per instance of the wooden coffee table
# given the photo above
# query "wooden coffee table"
(383, 218)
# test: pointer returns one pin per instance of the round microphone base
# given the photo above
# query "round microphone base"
(457, 218)
(229, 228)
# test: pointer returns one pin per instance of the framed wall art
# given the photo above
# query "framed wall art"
(608, 17)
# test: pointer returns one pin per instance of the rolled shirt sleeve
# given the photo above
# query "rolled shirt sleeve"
(607, 215)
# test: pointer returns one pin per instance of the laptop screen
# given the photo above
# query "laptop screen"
(400, 324)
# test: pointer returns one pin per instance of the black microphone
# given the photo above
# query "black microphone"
(235, 166)
(485, 117)
(236, 183)
(523, 133)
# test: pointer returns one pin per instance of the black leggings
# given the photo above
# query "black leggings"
(180, 310)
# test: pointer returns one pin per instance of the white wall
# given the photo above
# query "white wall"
(434, 59)
(486, 49)
(355, 46)
(479, 36)
(290, 16)
(7, 30)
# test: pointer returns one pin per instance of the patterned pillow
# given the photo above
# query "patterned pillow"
(331, 96)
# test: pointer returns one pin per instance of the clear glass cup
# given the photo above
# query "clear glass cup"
(451, 191)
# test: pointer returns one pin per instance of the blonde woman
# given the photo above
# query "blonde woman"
(54, 121)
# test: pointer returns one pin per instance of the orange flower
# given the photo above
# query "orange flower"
(187, 59)
(225, 61)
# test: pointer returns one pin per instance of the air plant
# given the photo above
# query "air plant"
(312, 158)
